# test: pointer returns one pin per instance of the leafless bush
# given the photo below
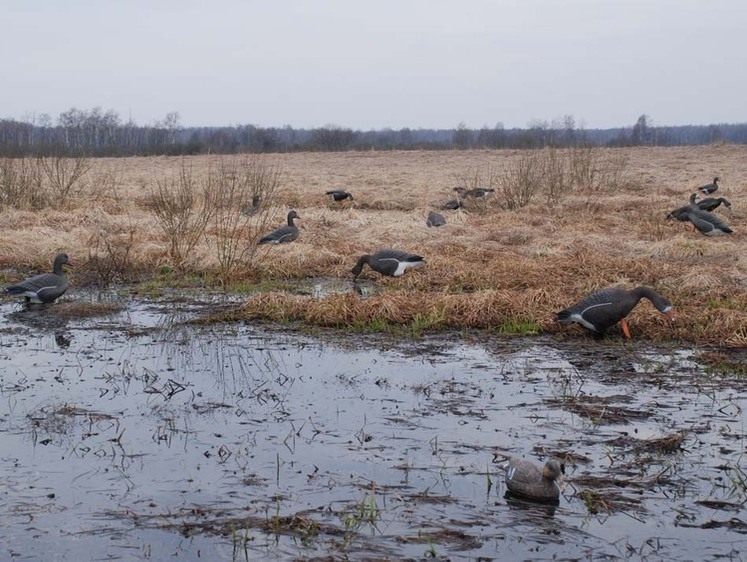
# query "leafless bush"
(109, 258)
(65, 176)
(594, 169)
(183, 208)
(555, 175)
(521, 179)
(236, 226)
(22, 184)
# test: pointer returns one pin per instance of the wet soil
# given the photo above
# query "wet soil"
(131, 433)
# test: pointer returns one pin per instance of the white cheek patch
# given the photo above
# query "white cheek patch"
(511, 472)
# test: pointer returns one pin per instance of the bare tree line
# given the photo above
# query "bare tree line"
(103, 133)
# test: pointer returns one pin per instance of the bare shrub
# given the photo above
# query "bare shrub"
(65, 176)
(235, 232)
(521, 180)
(22, 184)
(109, 256)
(183, 208)
(555, 175)
(594, 169)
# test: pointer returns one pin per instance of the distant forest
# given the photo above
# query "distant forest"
(99, 133)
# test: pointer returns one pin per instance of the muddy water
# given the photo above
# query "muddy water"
(137, 436)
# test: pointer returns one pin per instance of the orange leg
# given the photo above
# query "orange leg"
(625, 327)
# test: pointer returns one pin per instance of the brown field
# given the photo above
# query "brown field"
(491, 267)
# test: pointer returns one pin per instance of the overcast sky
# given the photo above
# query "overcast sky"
(378, 64)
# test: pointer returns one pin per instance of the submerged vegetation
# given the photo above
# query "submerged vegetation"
(559, 224)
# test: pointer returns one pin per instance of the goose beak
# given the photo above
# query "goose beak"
(671, 315)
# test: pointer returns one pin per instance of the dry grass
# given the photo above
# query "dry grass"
(489, 267)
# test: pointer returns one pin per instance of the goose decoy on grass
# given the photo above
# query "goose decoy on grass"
(605, 308)
(709, 188)
(284, 234)
(43, 288)
(711, 203)
(480, 192)
(707, 223)
(340, 194)
(453, 205)
(388, 262)
(526, 480)
(462, 192)
(435, 219)
(252, 209)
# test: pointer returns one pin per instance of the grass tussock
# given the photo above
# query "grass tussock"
(560, 224)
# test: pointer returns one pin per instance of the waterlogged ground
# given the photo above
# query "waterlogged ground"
(135, 435)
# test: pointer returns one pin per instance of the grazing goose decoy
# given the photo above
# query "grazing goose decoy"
(526, 480)
(388, 262)
(284, 234)
(252, 209)
(340, 194)
(452, 205)
(45, 287)
(710, 188)
(462, 191)
(707, 223)
(435, 219)
(480, 192)
(606, 307)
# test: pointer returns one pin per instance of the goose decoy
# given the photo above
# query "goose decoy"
(710, 188)
(461, 191)
(680, 213)
(435, 219)
(452, 205)
(284, 234)
(711, 203)
(388, 262)
(480, 192)
(43, 288)
(707, 223)
(526, 480)
(252, 209)
(605, 308)
(340, 194)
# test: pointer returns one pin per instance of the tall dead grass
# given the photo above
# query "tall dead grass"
(504, 265)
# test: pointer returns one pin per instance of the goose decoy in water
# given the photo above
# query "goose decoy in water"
(340, 194)
(606, 307)
(480, 192)
(284, 234)
(252, 209)
(526, 480)
(435, 219)
(709, 188)
(45, 287)
(388, 262)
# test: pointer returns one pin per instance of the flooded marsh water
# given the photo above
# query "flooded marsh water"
(137, 435)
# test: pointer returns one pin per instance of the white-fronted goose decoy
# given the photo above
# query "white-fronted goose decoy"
(480, 192)
(606, 307)
(462, 192)
(340, 194)
(45, 287)
(452, 205)
(707, 223)
(525, 479)
(435, 219)
(252, 209)
(710, 188)
(711, 203)
(388, 262)
(284, 234)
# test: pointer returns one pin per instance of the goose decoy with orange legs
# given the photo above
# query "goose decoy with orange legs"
(388, 262)
(340, 195)
(43, 288)
(284, 234)
(252, 209)
(707, 223)
(435, 219)
(709, 188)
(526, 480)
(605, 308)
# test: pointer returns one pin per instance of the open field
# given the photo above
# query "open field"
(508, 269)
